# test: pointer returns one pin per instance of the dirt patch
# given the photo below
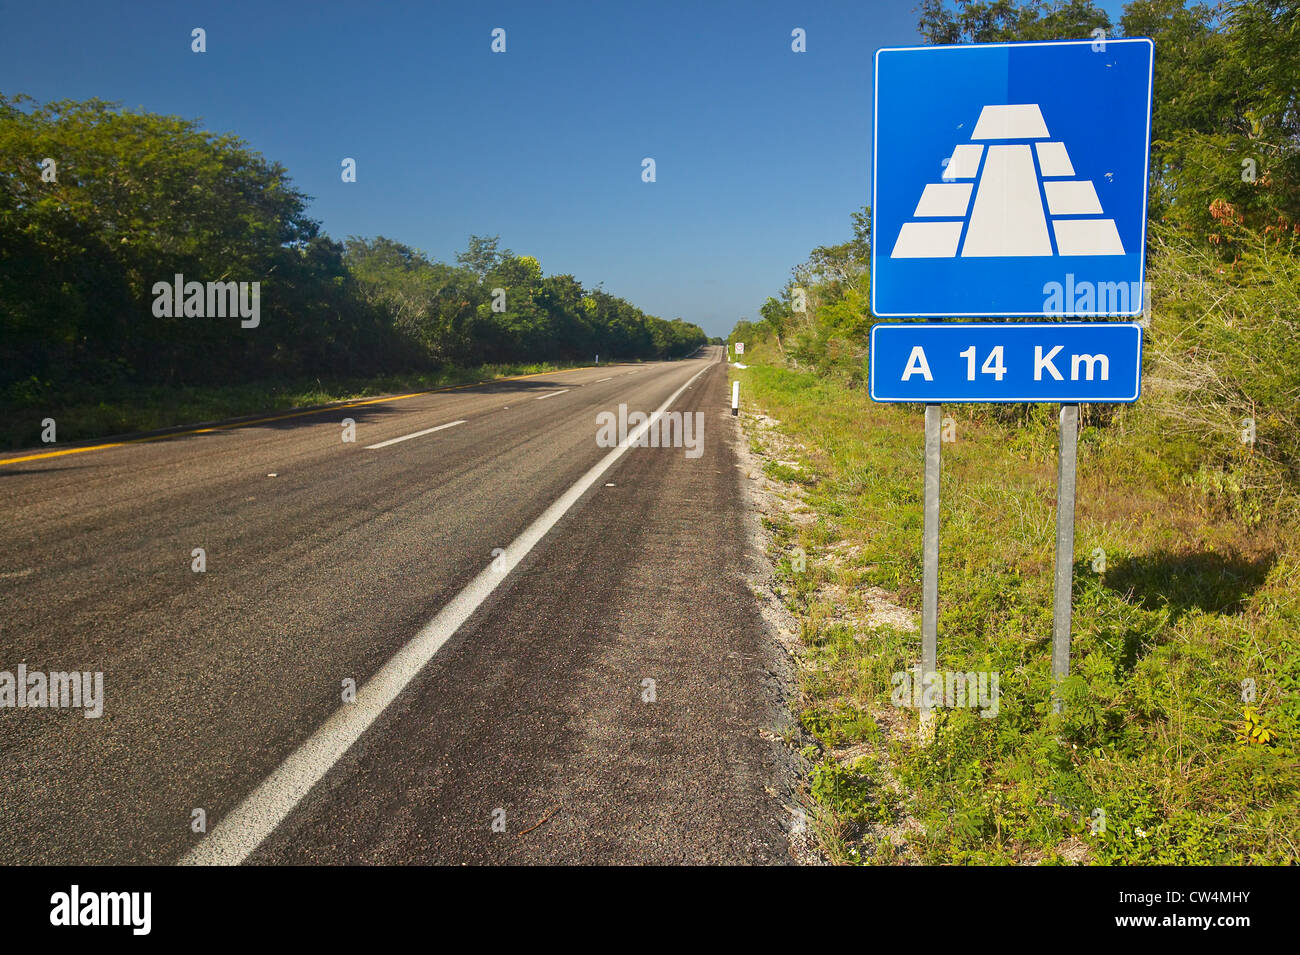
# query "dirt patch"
(765, 498)
(762, 442)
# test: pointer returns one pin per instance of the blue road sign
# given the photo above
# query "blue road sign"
(1011, 179)
(993, 362)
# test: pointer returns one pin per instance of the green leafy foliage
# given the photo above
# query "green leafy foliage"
(1154, 757)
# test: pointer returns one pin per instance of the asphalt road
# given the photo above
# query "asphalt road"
(499, 590)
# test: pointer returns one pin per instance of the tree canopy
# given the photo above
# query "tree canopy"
(97, 205)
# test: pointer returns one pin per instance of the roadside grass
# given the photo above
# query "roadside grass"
(1177, 741)
(95, 413)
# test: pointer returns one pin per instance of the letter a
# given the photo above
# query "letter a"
(917, 365)
(606, 435)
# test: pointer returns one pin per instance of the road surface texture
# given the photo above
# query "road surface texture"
(580, 679)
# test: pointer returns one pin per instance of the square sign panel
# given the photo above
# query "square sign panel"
(1011, 179)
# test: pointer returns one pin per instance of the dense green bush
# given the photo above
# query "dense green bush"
(1223, 367)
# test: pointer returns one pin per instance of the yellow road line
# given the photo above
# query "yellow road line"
(282, 417)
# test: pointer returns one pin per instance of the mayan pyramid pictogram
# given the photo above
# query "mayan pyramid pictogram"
(1022, 167)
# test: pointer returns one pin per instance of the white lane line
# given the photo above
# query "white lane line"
(418, 434)
(552, 394)
(244, 828)
(599, 380)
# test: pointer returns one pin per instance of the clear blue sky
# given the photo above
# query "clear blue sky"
(761, 153)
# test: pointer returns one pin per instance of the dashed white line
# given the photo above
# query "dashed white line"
(417, 434)
(599, 380)
(552, 394)
(245, 827)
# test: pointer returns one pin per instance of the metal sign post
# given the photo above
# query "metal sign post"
(930, 562)
(1064, 584)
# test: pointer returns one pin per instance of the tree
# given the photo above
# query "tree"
(1001, 21)
(135, 198)
(483, 254)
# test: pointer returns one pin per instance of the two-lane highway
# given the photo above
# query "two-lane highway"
(540, 634)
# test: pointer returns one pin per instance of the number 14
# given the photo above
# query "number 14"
(992, 365)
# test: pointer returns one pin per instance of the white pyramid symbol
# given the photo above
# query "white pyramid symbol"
(1006, 217)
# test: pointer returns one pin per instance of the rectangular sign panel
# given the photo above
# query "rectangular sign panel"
(1052, 362)
(1011, 179)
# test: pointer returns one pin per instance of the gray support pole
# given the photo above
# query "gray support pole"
(930, 557)
(1064, 586)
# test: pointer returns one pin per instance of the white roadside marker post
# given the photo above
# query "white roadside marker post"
(735, 397)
